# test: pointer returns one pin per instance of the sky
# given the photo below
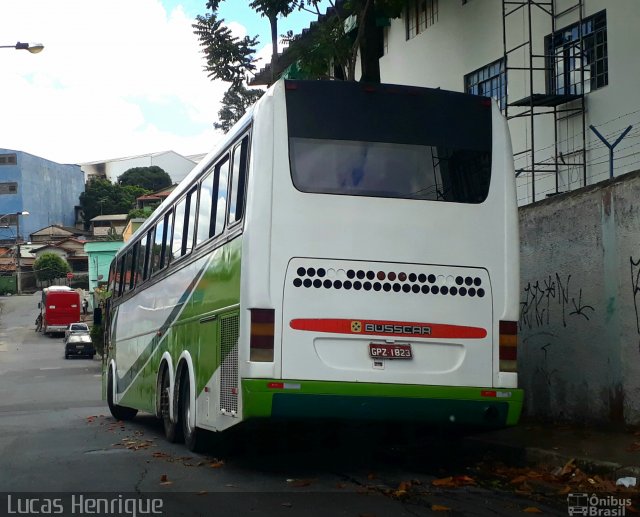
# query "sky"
(116, 78)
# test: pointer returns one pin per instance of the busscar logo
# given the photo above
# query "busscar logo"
(397, 329)
(356, 326)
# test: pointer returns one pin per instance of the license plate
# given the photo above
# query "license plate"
(78, 347)
(390, 351)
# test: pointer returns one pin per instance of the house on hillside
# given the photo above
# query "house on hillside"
(174, 164)
(104, 225)
(131, 227)
(56, 233)
(70, 249)
(555, 69)
(155, 198)
(100, 254)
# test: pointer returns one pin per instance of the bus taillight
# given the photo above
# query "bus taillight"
(262, 330)
(508, 346)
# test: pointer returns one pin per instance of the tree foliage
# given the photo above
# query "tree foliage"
(141, 213)
(101, 197)
(235, 102)
(350, 30)
(229, 59)
(151, 178)
(50, 266)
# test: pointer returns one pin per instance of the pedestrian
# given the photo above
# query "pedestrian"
(85, 306)
(39, 323)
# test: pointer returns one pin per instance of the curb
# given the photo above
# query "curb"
(536, 456)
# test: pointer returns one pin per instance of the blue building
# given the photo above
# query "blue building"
(49, 191)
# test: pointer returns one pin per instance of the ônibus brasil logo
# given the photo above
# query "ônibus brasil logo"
(597, 505)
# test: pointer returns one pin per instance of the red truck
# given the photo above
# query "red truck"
(60, 306)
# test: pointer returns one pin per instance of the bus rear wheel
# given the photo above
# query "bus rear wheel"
(172, 431)
(193, 437)
(118, 412)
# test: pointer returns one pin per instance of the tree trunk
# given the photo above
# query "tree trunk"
(273, 21)
(369, 44)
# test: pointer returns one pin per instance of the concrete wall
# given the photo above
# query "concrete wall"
(579, 354)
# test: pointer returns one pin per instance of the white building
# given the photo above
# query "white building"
(174, 164)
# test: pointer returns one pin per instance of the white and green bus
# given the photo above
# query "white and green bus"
(348, 251)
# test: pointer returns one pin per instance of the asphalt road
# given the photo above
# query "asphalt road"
(58, 441)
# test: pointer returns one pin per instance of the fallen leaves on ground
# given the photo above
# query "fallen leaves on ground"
(440, 508)
(532, 509)
(559, 480)
(164, 480)
(453, 481)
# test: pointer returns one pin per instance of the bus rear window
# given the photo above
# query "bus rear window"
(388, 141)
(390, 170)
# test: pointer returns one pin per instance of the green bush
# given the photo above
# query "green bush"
(97, 337)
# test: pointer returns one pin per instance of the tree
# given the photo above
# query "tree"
(141, 213)
(229, 59)
(348, 31)
(272, 9)
(50, 266)
(101, 197)
(151, 178)
(235, 102)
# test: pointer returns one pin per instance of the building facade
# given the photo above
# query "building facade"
(100, 254)
(174, 164)
(49, 191)
(575, 68)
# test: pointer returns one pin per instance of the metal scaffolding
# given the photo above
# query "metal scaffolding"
(546, 71)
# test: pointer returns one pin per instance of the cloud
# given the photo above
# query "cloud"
(116, 78)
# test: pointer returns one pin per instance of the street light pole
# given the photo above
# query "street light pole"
(18, 270)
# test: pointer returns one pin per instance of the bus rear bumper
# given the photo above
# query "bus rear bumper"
(465, 406)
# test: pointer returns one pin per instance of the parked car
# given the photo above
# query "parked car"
(79, 344)
(76, 328)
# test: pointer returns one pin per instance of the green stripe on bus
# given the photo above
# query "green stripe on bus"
(216, 290)
(438, 404)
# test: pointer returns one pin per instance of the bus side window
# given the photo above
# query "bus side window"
(205, 219)
(112, 278)
(178, 229)
(158, 248)
(219, 201)
(127, 272)
(184, 224)
(145, 255)
(190, 220)
(238, 180)
(119, 276)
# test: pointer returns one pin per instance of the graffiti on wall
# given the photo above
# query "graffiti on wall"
(552, 297)
(635, 286)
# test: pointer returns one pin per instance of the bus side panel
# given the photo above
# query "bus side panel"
(172, 316)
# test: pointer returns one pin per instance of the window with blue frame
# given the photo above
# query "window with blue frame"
(577, 59)
(489, 81)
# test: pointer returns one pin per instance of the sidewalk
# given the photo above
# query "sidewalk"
(611, 453)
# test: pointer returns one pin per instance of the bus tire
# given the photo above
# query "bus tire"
(118, 412)
(172, 431)
(193, 437)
